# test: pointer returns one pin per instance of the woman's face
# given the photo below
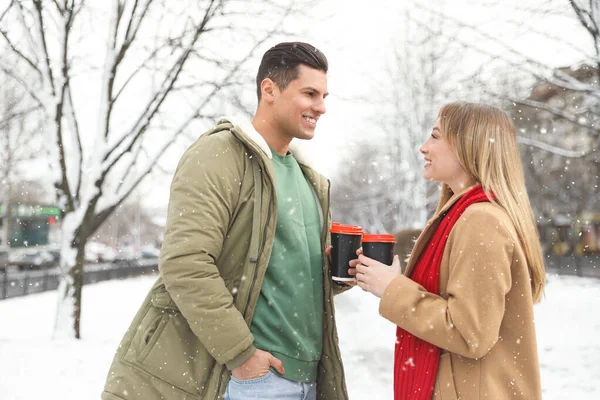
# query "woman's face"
(441, 162)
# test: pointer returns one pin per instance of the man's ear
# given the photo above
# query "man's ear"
(269, 90)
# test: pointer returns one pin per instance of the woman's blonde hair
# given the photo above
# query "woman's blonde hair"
(484, 139)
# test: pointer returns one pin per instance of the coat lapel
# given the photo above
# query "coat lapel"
(428, 231)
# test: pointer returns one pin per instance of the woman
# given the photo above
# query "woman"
(464, 308)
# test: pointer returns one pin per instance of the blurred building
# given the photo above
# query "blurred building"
(32, 225)
(563, 112)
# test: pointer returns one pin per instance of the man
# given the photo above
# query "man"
(244, 310)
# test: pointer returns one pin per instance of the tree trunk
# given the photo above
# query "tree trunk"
(68, 316)
(76, 274)
(72, 259)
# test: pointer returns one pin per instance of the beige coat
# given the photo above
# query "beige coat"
(482, 318)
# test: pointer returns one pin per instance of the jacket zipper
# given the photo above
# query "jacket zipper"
(260, 250)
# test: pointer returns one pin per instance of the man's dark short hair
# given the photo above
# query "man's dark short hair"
(280, 63)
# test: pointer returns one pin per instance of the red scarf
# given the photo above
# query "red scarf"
(416, 361)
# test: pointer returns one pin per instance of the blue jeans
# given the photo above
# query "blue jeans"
(270, 387)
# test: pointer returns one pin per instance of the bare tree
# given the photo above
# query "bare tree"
(561, 160)
(382, 188)
(585, 13)
(19, 143)
(119, 82)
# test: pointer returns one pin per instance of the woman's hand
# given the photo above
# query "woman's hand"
(373, 276)
(354, 263)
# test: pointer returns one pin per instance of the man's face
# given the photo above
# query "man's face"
(298, 107)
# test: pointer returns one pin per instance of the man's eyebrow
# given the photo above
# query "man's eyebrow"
(314, 89)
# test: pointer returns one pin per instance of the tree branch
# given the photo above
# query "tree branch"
(77, 135)
(591, 25)
(21, 81)
(19, 52)
(130, 35)
(552, 110)
(154, 104)
(58, 7)
(65, 186)
(586, 18)
(140, 67)
(21, 15)
(562, 79)
(8, 7)
(40, 27)
(17, 115)
(552, 149)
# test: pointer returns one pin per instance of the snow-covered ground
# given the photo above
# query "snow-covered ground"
(32, 366)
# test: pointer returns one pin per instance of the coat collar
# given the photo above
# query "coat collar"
(432, 224)
(246, 126)
(452, 200)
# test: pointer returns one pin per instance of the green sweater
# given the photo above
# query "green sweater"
(288, 320)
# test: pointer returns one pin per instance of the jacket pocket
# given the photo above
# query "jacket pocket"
(165, 347)
(444, 383)
(151, 335)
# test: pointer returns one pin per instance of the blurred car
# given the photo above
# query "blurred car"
(36, 259)
(99, 252)
(149, 252)
(125, 255)
(55, 254)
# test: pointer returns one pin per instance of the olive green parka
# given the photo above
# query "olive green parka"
(193, 326)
